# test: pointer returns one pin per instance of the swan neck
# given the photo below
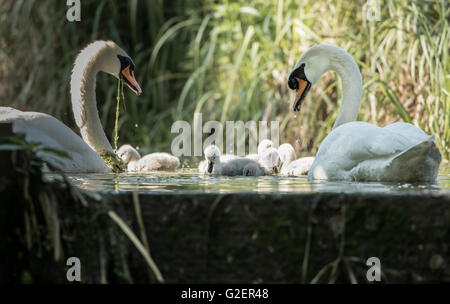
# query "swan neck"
(84, 103)
(347, 69)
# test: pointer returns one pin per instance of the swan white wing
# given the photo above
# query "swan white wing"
(353, 142)
(414, 133)
(359, 150)
(51, 133)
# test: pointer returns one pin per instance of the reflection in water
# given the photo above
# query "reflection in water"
(189, 181)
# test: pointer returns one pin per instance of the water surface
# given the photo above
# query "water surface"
(190, 181)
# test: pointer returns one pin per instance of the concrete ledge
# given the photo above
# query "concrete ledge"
(243, 238)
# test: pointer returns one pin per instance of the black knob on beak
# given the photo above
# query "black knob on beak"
(293, 84)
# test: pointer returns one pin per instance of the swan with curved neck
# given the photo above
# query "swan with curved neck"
(98, 56)
(84, 156)
(357, 150)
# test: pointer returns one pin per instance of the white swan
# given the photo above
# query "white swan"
(358, 150)
(85, 156)
(158, 161)
(291, 166)
(232, 166)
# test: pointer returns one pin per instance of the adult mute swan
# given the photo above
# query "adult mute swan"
(88, 155)
(357, 150)
(158, 161)
(290, 165)
(232, 166)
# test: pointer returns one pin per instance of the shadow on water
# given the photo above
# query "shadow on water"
(189, 181)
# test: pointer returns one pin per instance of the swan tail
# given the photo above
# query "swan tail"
(419, 163)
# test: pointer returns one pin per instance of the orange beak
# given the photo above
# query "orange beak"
(303, 87)
(128, 76)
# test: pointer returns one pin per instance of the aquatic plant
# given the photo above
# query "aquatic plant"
(116, 121)
(38, 222)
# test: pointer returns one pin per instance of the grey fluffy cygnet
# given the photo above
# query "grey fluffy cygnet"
(262, 147)
(158, 161)
(231, 166)
(270, 161)
(292, 166)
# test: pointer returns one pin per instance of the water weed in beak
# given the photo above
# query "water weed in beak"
(116, 123)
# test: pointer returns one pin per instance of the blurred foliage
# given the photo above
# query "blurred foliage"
(230, 60)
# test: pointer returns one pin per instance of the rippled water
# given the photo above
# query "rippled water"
(189, 181)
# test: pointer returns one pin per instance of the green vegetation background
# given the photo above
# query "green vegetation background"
(230, 60)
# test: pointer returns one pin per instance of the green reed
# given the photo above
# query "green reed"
(230, 60)
(116, 124)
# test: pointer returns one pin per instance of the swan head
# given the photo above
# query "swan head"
(128, 154)
(263, 146)
(311, 65)
(113, 60)
(287, 153)
(212, 156)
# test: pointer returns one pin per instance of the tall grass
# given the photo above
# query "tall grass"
(230, 60)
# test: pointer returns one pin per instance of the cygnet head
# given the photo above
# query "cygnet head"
(264, 145)
(128, 154)
(108, 57)
(287, 153)
(212, 156)
(271, 160)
